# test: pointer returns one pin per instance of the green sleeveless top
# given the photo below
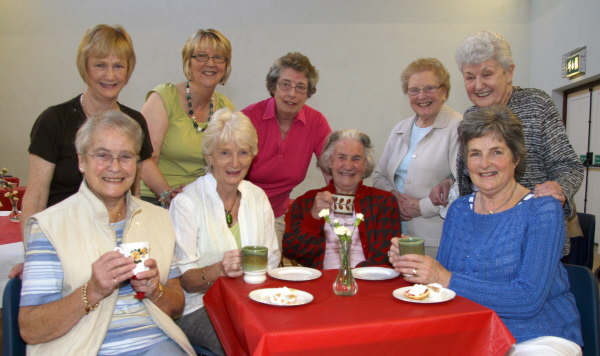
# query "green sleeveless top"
(181, 159)
(235, 230)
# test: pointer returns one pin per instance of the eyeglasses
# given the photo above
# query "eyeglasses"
(203, 58)
(414, 91)
(286, 85)
(106, 158)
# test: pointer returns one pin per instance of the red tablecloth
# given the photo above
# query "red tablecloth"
(372, 322)
(9, 231)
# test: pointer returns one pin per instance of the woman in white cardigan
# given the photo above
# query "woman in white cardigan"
(421, 151)
(215, 216)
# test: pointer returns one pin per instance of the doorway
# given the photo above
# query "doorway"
(577, 119)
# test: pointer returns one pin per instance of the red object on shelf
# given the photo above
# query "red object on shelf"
(372, 322)
(6, 203)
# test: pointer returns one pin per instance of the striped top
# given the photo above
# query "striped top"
(131, 329)
(550, 156)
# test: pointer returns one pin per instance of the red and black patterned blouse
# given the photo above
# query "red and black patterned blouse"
(304, 239)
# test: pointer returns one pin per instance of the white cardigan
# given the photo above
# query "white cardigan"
(433, 160)
(203, 236)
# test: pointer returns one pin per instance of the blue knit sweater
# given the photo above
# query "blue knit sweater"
(510, 262)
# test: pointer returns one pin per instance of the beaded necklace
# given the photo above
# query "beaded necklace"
(188, 96)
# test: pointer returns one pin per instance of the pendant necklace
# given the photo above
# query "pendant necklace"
(188, 97)
(490, 211)
(228, 216)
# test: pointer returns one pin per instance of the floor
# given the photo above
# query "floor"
(596, 265)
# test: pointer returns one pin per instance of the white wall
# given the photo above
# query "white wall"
(557, 27)
(360, 48)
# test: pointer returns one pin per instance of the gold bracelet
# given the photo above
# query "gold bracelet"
(86, 303)
(161, 291)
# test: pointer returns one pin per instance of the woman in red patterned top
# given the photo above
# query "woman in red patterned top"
(347, 156)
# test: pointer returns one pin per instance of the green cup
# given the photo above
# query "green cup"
(411, 245)
(254, 263)
(254, 258)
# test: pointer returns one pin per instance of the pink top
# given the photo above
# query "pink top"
(332, 245)
(281, 164)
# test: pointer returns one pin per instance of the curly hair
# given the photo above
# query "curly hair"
(298, 62)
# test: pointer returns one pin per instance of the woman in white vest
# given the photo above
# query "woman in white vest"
(215, 216)
(80, 296)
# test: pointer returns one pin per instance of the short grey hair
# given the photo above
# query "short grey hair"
(482, 46)
(298, 62)
(112, 119)
(499, 121)
(228, 126)
(351, 134)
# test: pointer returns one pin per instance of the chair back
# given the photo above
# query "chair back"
(12, 343)
(582, 247)
(585, 289)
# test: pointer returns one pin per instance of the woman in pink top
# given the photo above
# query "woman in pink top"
(289, 132)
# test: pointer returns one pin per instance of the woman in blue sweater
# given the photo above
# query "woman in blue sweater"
(500, 246)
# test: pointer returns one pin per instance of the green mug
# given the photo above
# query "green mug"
(254, 258)
(411, 245)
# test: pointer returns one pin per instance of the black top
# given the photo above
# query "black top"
(53, 139)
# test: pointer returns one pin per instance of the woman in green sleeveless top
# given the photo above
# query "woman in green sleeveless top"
(177, 115)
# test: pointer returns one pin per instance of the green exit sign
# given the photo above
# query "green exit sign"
(572, 66)
(596, 159)
(573, 63)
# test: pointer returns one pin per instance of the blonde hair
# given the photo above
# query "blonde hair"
(424, 65)
(228, 126)
(102, 41)
(212, 38)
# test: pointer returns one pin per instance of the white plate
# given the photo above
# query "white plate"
(443, 295)
(262, 296)
(295, 274)
(374, 273)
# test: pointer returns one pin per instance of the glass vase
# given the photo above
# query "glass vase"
(14, 212)
(344, 283)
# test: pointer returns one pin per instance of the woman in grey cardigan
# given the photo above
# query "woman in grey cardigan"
(421, 151)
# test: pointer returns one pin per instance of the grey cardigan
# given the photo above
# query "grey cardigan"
(433, 160)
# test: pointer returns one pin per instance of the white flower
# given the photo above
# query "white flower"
(324, 213)
(360, 217)
(341, 231)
